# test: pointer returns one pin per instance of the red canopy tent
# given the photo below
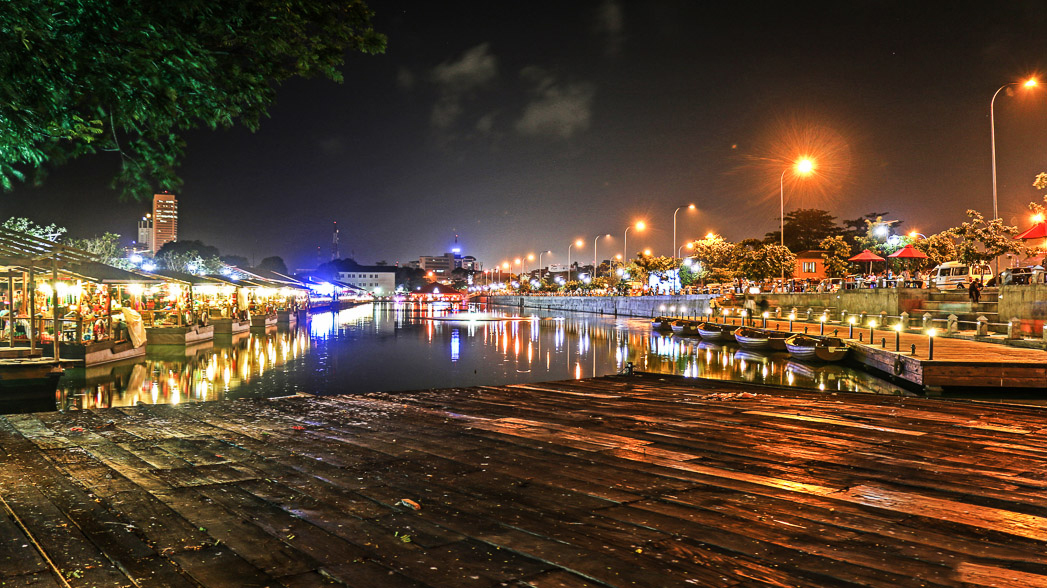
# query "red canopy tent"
(867, 255)
(1038, 231)
(908, 252)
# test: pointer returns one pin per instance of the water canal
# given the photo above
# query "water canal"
(400, 347)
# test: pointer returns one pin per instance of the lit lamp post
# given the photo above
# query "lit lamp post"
(689, 207)
(803, 167)
(1030, 83)
(625, 241)
(595, 262)
(540, 254)
(577, 243)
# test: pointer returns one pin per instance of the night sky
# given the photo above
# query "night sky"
(521, 126)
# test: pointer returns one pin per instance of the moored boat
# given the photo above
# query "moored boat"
(685, 327)
(716, 332)
(806, 348)
(662, 323)
(752, 338)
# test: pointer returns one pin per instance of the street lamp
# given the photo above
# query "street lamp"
(625, 241)
(1029, 83)
(679, 250)
(803, 167)
(577, 243)
(595, 262)
(540, 254)
(689, 207)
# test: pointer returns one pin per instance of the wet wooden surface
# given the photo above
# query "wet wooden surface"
(647, 481)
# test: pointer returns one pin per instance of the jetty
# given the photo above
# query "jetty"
(641, 481)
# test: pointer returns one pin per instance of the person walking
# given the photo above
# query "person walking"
(975, 290)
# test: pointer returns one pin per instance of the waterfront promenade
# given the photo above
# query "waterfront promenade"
(622, 481)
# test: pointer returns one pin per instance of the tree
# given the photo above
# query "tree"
(804, 229)
(106, 246)
(756, 261)
(132, 77)
(856, 230)
(185, 247)
(712, 257)
(273, 264)
(993, 237)
(940, 247)
(235, 260)
(51, 232)
(837, 253)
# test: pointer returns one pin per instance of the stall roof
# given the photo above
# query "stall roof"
(193, 279)
(94, 271)
(23, 249)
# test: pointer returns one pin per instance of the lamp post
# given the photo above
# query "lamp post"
(803, 166)
(595, 262)
(577, 243)
(540, 254)
(625, 241)
(689, 207)
(1030, 83)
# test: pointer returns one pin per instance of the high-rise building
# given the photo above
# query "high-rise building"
(145, 233)
(334, 242)
(165, 220)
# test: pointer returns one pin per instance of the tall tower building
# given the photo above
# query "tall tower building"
(145, 233)
(165, 220)
(334, 242)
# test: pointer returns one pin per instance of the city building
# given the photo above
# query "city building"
(378, 280)
(165, 220)
(145, 234)
(810, 265)
(443, 265)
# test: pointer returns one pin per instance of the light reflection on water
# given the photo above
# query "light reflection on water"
(403, 347)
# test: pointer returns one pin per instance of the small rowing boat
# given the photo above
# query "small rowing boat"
(807, 348)
(716, 332)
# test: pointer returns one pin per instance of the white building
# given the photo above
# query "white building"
(379, 280)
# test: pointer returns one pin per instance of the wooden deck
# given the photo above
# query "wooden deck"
(956, 362)
(643, 481)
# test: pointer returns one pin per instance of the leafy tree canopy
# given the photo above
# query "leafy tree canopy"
(235, 261)
(51, 232)
(273, 264)
(805, 228)
(106, 246)
(197, 247)
(85, 76)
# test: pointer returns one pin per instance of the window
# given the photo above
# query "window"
(809, 267)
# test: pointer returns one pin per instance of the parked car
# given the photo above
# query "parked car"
(1022, 275)
(954, 274)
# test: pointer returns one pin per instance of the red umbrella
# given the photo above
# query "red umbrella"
(908, 252)
(1038, 231)
(866, 255)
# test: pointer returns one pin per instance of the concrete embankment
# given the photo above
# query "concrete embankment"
(643, 306)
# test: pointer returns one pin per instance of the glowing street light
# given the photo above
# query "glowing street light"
(1028, 84)
(540, 254)
(802, 167)
(596, 264)
(689, 207)
(640, 225)
(578, 244)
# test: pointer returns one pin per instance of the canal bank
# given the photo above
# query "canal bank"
(635, 306)
(618, 481)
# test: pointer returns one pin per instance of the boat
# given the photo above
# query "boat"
(806, 348)
(776, 340)
(662, 323)
(753, 339)
(716, 332)
(685, 327)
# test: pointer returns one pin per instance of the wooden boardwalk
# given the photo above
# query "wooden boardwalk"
(956, 362)
(643, 481)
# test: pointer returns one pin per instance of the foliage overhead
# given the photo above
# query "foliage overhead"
(804, 229)
(85, 76)
(51, 232)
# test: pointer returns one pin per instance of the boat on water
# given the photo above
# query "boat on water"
(685, 327)
(662, 323)
(716, 332)
(807, 348)
(761, 340)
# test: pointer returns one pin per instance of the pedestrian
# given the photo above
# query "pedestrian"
(975, 290)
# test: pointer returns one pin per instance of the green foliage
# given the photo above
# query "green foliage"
(804, 229)
(939, 248)
(106, 246)
(51, 232)
(983, 240)
(88, 76)
(273, 264)
(713, 259)
(188, 247)
(837, 253)
(756, 261)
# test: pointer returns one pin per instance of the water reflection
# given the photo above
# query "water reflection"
(404, 347)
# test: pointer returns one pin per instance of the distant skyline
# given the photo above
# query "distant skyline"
(521, 127)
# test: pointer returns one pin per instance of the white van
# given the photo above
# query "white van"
(952, 274)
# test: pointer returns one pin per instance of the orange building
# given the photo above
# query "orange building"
(165, 220)
(810, 265)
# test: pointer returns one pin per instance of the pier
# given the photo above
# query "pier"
(641, 480)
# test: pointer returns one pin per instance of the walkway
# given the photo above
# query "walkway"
(643, 481)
